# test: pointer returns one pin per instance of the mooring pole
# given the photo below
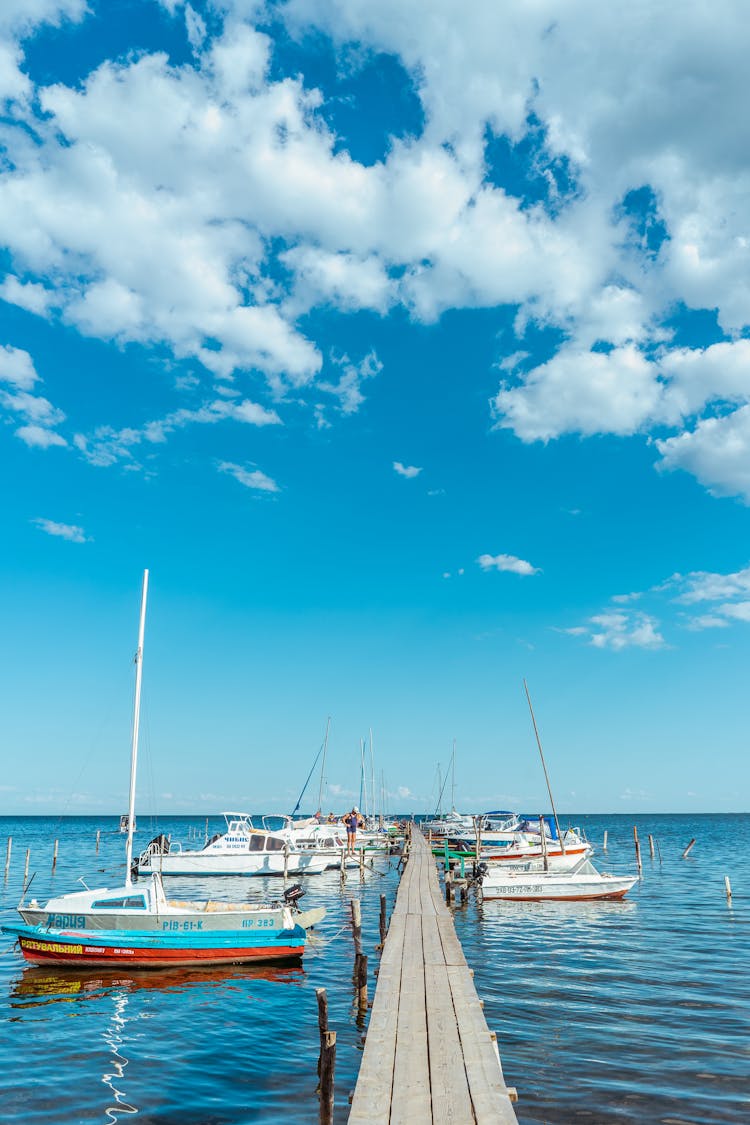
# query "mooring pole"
(322, 998)
(327, 1068)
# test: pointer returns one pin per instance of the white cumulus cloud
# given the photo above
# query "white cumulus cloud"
(509, 563)
(250, 478)
(408, 471)
(69, 531)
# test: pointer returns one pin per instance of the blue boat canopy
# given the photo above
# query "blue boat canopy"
(531, 824)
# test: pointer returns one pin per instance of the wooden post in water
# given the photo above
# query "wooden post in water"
(362, 981)
(543, 834)
(358, 955)
(383, 923)
(98, 834)
(7, 855)
(637, 849)
(728, 888)
(322, 998)
(26, 866)
(449, 886)
(343, 866)
(604, 845)
(687, 849)
(327, 1068)
(651, 845)
(54, 855)
(357, 925)
(361, 863)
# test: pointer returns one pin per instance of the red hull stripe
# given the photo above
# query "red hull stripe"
(555, 898)
(500, 856)
(57, 953)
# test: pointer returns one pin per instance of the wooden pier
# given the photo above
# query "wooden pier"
(429, 1056)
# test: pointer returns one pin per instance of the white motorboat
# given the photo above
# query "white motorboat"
(522, 846)
(582, 883)
(241, 850)
(449, 824)
(314, 837)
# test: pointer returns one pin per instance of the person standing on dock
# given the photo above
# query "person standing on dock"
(352, 823)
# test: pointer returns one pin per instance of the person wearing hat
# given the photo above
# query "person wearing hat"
(352, 823)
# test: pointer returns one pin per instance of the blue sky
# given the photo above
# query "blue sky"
(408, 348)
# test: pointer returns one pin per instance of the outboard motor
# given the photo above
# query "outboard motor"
(481, 870)
(293, 894)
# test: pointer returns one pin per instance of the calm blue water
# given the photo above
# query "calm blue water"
(636, 1011)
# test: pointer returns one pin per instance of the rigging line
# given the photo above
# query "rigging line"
(442, 790)
(327, 941)
(304, 787)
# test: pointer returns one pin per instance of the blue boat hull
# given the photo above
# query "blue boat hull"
(147, 949)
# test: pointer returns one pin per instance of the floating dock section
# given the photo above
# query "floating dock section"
(429, 1056)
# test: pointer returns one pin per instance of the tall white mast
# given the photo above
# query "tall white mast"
(362, 778)
(136, 723)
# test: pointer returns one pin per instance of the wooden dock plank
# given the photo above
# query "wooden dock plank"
(431, 944)
(452, 951)
(451, 1100)
(411, 1098)
(483, 1068)
(371, 1104)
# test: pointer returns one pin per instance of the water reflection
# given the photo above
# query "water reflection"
(38, 985)
(554, 914)
(113, 1036)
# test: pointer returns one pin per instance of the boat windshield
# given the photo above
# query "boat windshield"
(129, 902)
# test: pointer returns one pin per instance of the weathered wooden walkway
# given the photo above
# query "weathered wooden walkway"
(429, 1055)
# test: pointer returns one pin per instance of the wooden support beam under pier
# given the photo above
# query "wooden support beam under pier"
(429, 1056)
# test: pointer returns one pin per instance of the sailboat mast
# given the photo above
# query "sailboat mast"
(453, 777)
(136, 724)
(546, 775)
(372, 778)
(323, 766)
(362, 781)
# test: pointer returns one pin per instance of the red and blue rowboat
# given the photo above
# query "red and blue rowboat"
(148, 949)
